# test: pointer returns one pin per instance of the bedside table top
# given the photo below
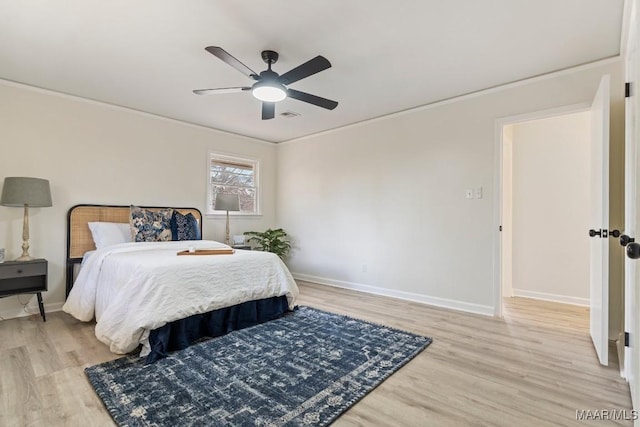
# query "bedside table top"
(33, 261)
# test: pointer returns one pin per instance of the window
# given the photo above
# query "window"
(234, 175)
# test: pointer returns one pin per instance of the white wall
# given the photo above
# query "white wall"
(551, 208)
(95, 153)
(388, 195)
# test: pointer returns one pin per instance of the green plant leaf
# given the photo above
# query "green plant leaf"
(270, 240)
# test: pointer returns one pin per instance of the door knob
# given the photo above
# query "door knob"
(625, 240)
(614, 233)
(594, 233)
(633, 250)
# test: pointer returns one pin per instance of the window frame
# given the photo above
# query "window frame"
(225, 157)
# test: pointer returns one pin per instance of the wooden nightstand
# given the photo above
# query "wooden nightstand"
(24, 277)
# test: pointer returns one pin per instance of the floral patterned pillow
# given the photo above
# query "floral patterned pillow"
(150, 225)
(184, 227)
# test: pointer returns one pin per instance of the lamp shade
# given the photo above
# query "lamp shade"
(227, 202)
(20, 191)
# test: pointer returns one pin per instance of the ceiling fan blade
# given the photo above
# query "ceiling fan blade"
(225, 56)
(221, 90)
(268, 110)
(312, 99)
(309, 68)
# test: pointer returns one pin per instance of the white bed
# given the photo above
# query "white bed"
(133, 288)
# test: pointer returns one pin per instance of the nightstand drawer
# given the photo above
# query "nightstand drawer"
(23, 269)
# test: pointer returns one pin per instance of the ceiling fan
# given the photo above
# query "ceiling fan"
(271, 87)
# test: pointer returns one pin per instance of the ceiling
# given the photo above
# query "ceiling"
(387, 56)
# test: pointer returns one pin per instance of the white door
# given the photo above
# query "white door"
(599, 244)
(632, 210)
(632, 279)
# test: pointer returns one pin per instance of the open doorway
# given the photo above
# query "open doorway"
(546, 207)
(605, 310)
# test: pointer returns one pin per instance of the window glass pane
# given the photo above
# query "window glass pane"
(234, 176)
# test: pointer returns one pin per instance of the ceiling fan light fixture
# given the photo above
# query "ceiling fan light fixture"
(269, 86)
(269, 92)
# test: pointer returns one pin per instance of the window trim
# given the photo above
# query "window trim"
(209, 212)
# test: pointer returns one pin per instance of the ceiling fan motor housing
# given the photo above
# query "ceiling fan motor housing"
(268, 75)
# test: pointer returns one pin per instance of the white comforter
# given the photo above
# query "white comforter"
(132, 288)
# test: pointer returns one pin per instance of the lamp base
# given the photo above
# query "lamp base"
(25, 237)
(227, 239)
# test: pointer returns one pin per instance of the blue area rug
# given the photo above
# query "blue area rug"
(303, 369)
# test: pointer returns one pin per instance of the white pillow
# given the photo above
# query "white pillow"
(110, 233)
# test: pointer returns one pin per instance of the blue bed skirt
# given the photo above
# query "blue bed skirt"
(182, 333)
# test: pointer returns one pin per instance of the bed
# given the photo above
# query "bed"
(144, 295)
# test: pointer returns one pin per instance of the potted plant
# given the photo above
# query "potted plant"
(270, 241)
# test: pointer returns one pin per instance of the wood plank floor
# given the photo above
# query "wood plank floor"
(535, 367)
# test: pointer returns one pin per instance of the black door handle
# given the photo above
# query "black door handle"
(633, 250)
(625, 240)
(614, 233)
(594, 233)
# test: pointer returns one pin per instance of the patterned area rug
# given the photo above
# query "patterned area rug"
(303, 369)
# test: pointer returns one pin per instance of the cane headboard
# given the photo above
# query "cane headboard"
(79, 239)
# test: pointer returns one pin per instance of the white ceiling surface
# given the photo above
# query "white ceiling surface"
(387, 56)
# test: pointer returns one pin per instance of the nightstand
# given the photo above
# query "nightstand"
(24, 277)
(242, 247)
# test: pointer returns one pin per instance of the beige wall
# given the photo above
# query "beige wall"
(94, 153)
(506, 238)
(551, 208)
(381, 206)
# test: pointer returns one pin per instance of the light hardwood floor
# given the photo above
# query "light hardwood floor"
(535, 367)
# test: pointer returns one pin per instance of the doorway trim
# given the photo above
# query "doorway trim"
(500, 123)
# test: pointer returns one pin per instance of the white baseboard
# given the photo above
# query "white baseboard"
(31, 309)
(551, 297)
(410, 296)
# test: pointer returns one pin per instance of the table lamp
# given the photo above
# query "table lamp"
(227, 202)
(25, 192)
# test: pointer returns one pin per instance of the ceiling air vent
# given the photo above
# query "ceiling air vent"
(289, 114)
